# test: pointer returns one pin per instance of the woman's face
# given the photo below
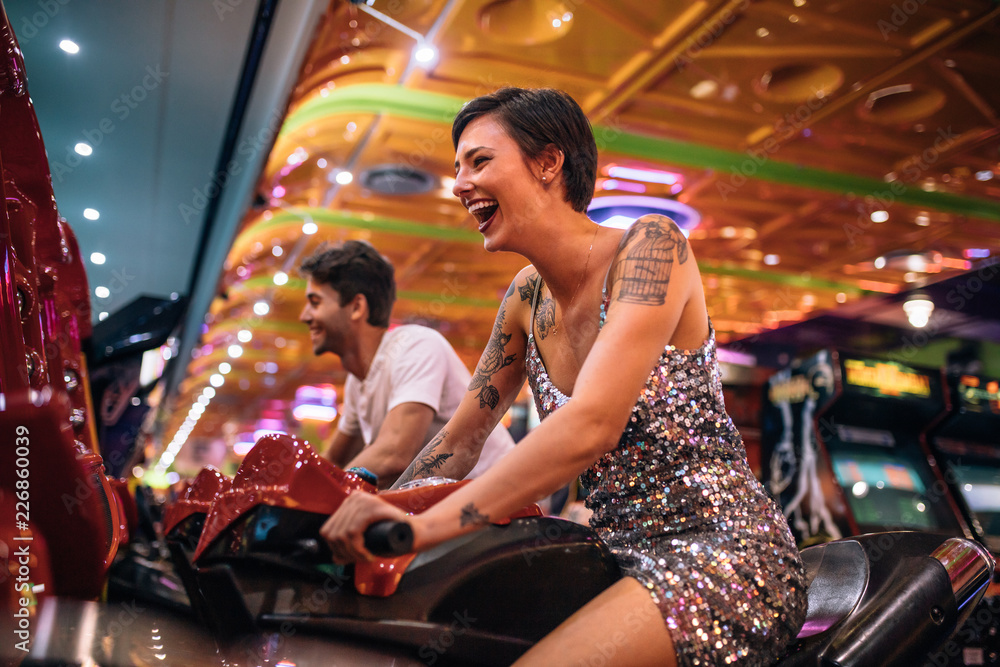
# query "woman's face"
(496, 183)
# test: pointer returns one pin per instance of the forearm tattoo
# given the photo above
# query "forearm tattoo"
(493, 360)
(644, 271)
(427, 462)
(472, 517)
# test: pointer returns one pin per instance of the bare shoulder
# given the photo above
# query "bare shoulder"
(523, 285)
(651, 252)
(517, 301)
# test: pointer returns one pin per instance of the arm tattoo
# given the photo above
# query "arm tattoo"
(527, 290)
(472, 517)
(645, 269)
(545, 318)
(493, 360)
(426, 462)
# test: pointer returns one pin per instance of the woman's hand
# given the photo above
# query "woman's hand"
(344, 531)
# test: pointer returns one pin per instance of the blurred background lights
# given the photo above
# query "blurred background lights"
(91, 213)
(83, 148)
(69, 46)
(261, 308)
(97, 258)
(244, 336)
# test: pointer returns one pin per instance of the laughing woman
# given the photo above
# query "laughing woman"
(611, 331)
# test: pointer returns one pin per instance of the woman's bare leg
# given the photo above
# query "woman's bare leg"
(621, 626)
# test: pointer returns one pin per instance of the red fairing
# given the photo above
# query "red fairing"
(197, 498)
(282, 471)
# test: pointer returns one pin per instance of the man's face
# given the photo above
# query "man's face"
(329, 322)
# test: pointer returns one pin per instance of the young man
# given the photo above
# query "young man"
(403, 385)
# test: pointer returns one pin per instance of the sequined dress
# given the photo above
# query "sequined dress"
(683, 514)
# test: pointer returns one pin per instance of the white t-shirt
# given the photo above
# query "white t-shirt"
(414, 364)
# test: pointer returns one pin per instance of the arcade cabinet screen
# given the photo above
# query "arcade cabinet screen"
(884, 491)
(980, 485)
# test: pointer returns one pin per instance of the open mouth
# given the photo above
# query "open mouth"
(484, 211)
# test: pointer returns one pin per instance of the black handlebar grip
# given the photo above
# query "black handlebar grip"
(389, 538)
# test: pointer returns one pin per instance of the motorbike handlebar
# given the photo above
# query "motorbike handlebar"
(389, 538)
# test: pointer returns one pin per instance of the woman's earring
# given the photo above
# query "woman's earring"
(544, 179)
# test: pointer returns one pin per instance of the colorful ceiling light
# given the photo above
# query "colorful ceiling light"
(621, 211)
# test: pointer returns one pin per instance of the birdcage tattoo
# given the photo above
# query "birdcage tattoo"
(645, 270)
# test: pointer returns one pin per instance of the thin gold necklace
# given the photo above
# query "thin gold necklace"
(583, 276)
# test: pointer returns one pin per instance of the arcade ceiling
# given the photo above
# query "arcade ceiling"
(838, 152)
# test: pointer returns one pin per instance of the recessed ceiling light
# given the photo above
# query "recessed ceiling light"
(102, 292)
(69, 46)
(97, 258)
(83, 148)
(91, 213)
(426, 54)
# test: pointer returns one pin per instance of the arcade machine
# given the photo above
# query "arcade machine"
(966, 442)
(844, 454)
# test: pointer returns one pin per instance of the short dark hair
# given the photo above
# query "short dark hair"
(535, 118)
(355, 267)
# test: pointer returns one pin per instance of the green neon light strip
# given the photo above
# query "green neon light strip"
(340, 219)
(434, 107)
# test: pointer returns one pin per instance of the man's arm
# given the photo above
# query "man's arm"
(343, 448)
(399, 441)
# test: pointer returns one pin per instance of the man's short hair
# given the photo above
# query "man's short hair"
(352, 268)
(536, 118)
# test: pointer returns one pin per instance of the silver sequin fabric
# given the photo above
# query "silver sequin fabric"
(683, 514)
